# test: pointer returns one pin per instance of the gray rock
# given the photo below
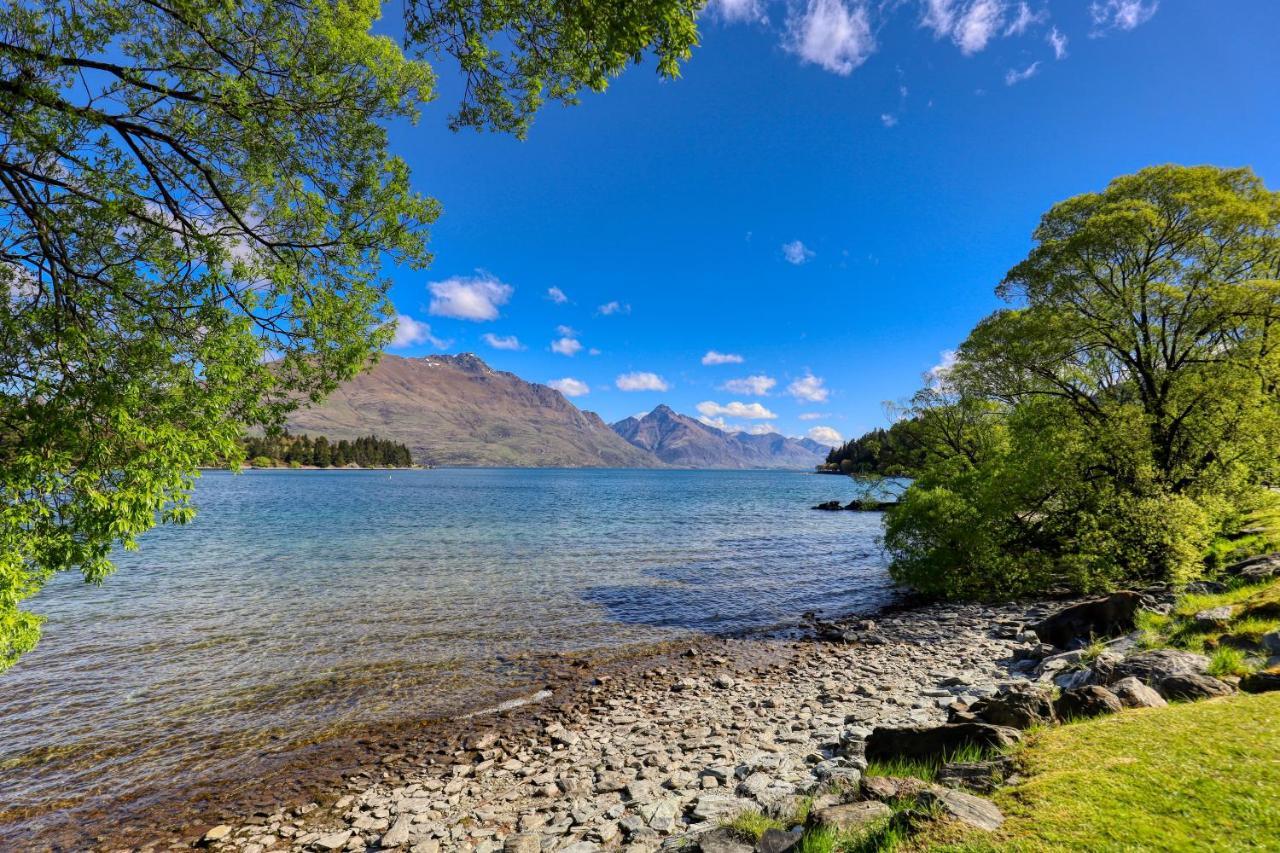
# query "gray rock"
(851, 816)
(1271, 642)
(966, 808)
(921, 742)
(523, 842)
(1214, 617)
(1101, 617)
(722, 841)
(1084, 702)
(1154, 666)
(332, 841)
(1132, 693)
(608, 781)
(886, 788)
(1256, 569)
(981, 776)
(1019, 707)
(719, 807)
(1266, 681)
(777, 841)
(218, 833)
(1193, 686)
(398, 834)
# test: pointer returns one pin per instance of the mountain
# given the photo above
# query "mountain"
(688, 443)
(455, 410)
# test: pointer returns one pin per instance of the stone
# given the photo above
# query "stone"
(1132, 693)
(722, 841)
(608, 781)
(218, 833)
(332, 841)
(981, 776)
(522, 842)
(777, 841)
(851, 816)
(1154, 666)
(431, 845)
(718, 807)
(1192, 686)
(1265, 681)
(1100, 617)
(1018, 707)
(924, 742)
(723, 681)
(1271, 642)
(1084, 702)
(886, 788)
(398, 834)
(966, 808)
(1214, 618)
(1254, 569)
(580, 847)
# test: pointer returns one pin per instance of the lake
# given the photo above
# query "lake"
(300, 604)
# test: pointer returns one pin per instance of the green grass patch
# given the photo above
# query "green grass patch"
(926, 770)
(1257, 608)
(753, 824)
(1194, 776)
(1228, 661)
(1225, 550)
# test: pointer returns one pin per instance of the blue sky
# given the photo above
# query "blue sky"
(828, 195)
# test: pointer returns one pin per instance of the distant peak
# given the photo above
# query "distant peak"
(663, 409)
(462, 361)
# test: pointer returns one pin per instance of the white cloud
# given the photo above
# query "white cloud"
(556, 295)
(501, 341)
(939, 16)
(749, 411)
(614, 307)
(797, 252)
(1121, 14)
(411, 332)
(713, 357)
(566, 346)
(937, 375)
(888, 119)
(762, 429)
(830, 34)
(813, 416)
(569, 386)
(593, 351)
(566, 331)
(1013, 76)
(977, 24)
(808, 389)
(719, 423)
(738, 11)
(469, 297)
(1058, 41)
(825, 435)
(1025, 18)
(758, 385)
(639, 381)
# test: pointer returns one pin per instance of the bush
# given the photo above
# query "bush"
(262, 462)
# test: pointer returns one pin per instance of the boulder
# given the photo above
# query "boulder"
(1192, 686)
(1132, 693)
(1214, 618)
(1271, 642)
(1155, 666)
(522, 842)
(1018, 707)
(1100, 617)
(851, 816)
(399, 833)
(719, 807)
(830, 506)
(966, 808)
(777, 841)
(925, 742)
(1255, 569)
(722, 841)
(1261, 682)
(1083, 702)
(981, 776)
(886, 788)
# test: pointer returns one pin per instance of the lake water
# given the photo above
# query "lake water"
(302, 603)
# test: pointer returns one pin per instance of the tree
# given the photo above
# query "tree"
(1124, 411)
(196, 203)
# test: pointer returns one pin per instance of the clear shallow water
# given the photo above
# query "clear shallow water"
(302, 602)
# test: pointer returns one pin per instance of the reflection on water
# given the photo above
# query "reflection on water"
(301, 601)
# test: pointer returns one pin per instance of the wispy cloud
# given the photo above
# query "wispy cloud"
(569, 386)
(813, 416)
(977, 25)
(614, 307)
(1024, 18)
(566, 346)
(888, 119)
(738, 11)
(1058, 41)
(797, 252)
(1121, 14)
(832, 34)
(758, 385)
(509, 342)
(937, 375)
(1014, 76)
(713, 357)
(411, 333)
(469, 297)
(825, 435)
(556, 295)
(736, 409)
(808, 389)
(641, 381)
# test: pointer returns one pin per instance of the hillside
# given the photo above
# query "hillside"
(458, 411)
(680, 440)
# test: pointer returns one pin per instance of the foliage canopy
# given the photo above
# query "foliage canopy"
(1124, 411)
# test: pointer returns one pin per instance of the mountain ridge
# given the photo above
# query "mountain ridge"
(686, 442)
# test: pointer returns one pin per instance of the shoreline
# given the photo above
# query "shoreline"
(722, 682)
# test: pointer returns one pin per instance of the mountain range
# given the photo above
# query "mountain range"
(456, 410)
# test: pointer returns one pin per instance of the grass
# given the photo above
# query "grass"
(926, 770)
(1225, 550)
(1228, 661)
(753, 824)
(1193, 776)
(1257, 613)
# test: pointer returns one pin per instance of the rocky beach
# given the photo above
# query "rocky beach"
(665, 751)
